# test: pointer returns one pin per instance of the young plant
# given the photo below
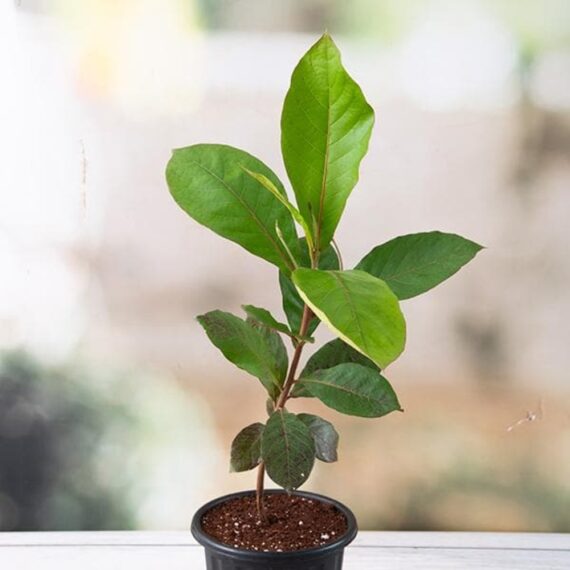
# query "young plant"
(325, 128)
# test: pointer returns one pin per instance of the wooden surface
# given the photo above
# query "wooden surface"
(371, 550)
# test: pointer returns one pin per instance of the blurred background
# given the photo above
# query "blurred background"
(116, 412)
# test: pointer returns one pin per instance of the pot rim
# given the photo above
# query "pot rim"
(209, 542)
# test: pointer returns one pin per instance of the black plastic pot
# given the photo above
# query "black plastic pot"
(219, 556)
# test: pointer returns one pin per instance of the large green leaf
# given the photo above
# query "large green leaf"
(329, 355)
(287, 449)
(325, 129)
(359, 308)
(208, 181)
(292, 302)
(246, 448)
(324, 435)
(275, 344)
(353, 389)
(247, 347)
(414, 263)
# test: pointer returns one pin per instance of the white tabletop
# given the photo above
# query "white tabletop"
(371, 550)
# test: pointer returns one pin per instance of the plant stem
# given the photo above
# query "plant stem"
(259, 491)
(283, 397)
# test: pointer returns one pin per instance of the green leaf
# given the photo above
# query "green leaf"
(288, 450)
(329, 355)
(264, 317)
(247, 347)
(415, 263)
(357, 307)
(268, 185)
(209, 183)
(325, 129)
(353, 389)
(324, 435)
(333, 353)
(246, 448)
(292, 302)
(275, 344)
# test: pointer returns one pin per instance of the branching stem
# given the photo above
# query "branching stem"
(285, 392)
(283, 397)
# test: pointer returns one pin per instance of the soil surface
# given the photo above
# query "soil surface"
(292, 523)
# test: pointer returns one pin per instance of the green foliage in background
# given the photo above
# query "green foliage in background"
(325, 128)
(86, 446)
(538, 26)
(541, 503)
(535, 26)
(55, 432)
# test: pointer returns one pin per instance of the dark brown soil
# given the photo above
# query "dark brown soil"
(292, 523)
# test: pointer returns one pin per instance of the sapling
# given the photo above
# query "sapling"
(326, 125)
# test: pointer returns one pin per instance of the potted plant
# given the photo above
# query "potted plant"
(325, 128)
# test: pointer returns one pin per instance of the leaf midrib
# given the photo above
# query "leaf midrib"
(326, 157)
(345, 389)
(352, 310)
(397, 276)
(259, 348)
(287, 447)
(248, 209)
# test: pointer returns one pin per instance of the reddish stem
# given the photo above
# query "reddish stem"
(283, 397)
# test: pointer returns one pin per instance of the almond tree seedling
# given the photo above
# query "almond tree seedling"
(326, 125)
